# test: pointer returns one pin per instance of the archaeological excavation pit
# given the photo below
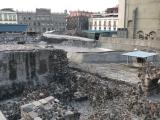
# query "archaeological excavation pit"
(32, 75)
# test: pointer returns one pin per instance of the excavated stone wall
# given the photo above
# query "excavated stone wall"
(20, 69)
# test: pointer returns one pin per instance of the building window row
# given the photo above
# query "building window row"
(103, 28)
(104, 23)
(7, 17)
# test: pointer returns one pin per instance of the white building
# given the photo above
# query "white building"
(8, 16)
(107, 21)
(104, 23)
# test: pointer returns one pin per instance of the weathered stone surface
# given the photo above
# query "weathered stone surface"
(20, 69)
(141, 106)
(55, 110)
(149, 75)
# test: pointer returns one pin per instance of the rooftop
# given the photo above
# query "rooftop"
(140, 54)
(7, 9)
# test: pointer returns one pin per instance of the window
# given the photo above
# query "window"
(29, 18)
(14, 17)
(109, 23)
(114, 24)
(10, 18)
(109, 28)
(95, 28)
(104, 23)
(95, 23)
(104, 28)
(99, 28)
(5, 17)
(99, 23)
(130, 23)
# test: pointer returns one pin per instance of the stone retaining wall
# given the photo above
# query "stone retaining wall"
(128, 44)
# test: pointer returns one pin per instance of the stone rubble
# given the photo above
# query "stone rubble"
(110, 99)
(142, 106)
(105, 96)
(149, 75)
(47, 109)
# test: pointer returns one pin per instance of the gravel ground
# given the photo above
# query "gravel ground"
(119, 72)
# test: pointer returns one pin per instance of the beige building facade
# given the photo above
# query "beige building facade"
(140, 17)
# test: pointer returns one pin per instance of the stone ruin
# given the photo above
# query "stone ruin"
(36, 73)
(20, 69)
(48, 108)
(149, 76)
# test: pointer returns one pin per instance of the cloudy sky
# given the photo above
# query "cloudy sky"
(59, 5)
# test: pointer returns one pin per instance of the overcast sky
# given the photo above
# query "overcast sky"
(59, 5)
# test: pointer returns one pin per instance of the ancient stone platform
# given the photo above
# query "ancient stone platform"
(48, 108)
